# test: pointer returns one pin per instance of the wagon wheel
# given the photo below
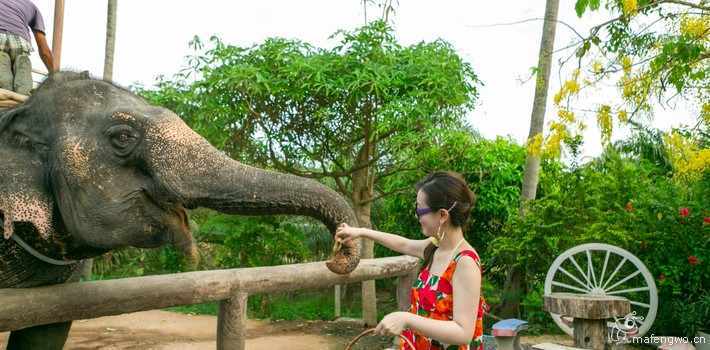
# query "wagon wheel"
(604, 269)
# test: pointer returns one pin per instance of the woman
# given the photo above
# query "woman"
(437, 320)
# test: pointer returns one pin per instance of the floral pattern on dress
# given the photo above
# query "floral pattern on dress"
(432, 297)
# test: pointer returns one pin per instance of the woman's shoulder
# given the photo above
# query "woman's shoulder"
(470, 252)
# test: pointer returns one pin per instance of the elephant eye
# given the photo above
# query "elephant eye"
(123, 138)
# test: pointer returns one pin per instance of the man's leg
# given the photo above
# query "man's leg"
(22, 67)
(6, 77)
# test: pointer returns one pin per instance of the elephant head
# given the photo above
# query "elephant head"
(93, 167)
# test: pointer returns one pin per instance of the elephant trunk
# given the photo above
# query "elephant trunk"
(198, 175)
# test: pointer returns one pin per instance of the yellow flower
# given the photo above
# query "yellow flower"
(597, 67)
(689, 162)
(604, 122)
(558, 97)
(535, 145)
(623, 116)
(626, 64)
(627, 87)
(695, 27)
(554, 141)
(569, 88)
(565, 115)
(629, 7)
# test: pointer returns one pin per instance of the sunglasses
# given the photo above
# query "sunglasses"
(419, 212)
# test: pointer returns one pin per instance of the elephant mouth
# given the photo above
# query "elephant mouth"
(174, 228)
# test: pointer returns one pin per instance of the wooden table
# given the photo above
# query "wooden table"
(590, 313)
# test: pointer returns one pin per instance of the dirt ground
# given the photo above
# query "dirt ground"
(158, 330)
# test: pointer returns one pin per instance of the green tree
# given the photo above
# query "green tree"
(350, 116)
(657, 54)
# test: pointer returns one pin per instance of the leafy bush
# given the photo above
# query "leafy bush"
(622, 202)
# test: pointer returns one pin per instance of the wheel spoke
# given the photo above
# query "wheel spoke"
(574, 278)
(609, 270)
(648, 306)
(606, 260)
(586, 278)
(563, 285)
(639, 289)
(590, 267)
(614, 273)
(623, 280)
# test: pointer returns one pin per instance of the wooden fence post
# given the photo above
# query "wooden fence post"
(404, 288)
(232, 323)
(338, 298)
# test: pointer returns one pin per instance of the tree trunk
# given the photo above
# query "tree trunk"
(515, 281)
(110, 40)
(537, 119)
(362, 212)
(363, 185)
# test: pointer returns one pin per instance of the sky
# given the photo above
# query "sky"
(152, 39)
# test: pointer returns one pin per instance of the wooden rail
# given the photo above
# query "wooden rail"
(21, 308)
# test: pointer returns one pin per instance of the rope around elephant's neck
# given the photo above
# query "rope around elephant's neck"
(39, 255)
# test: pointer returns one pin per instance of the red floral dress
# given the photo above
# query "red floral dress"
(432, 297)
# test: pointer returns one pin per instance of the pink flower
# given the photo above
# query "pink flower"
(693, 260)
(684, 212)
(427, 298)
(424, 275)
(445, 287)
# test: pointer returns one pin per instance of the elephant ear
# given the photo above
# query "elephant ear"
(21, 128)
(23, 196)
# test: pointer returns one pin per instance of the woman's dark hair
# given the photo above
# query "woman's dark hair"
(442, 189)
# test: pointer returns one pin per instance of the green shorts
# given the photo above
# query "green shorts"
(15, 65)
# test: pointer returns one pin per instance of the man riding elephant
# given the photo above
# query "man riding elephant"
(88, 167)
(16, 17)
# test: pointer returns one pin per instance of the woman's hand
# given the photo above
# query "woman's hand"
(346, 232)
(393, 324)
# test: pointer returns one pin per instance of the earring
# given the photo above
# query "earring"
(436, 239)
(442, 236)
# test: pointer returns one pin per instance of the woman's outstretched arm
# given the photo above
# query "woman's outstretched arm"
(395, 242)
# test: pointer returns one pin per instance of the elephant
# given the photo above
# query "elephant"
(89, 167)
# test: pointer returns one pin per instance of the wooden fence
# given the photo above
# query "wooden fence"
(21, 308)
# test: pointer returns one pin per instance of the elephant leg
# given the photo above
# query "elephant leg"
(45, 337)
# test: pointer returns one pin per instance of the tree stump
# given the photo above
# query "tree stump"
(590, 313)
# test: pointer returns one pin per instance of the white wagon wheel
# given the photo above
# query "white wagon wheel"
(603, 269)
